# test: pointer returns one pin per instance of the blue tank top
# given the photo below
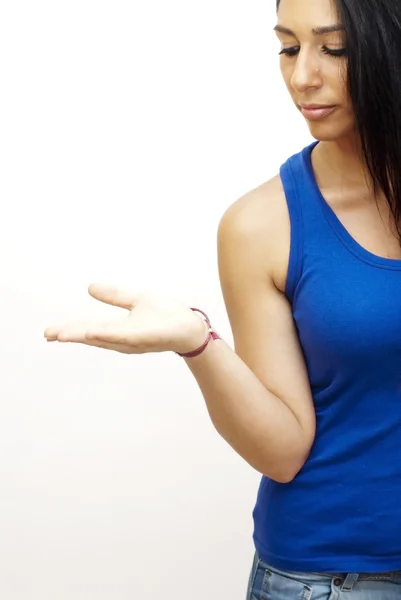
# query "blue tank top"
(342, 512)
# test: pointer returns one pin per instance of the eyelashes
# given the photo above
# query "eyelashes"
(290, 52)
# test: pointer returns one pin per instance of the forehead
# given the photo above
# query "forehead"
(305, 15)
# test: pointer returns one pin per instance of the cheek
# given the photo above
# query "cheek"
(285, 65)
(336, 76)
(286, 73)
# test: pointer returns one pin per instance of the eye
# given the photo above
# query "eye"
(290, 52)
(338, 52)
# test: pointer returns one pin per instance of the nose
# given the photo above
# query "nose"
(306, 73)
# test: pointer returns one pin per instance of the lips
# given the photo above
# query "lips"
(316, 106)
(314, 112)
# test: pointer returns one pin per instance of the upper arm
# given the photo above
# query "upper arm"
(253, 251)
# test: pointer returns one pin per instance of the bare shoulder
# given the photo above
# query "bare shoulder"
(259, 223)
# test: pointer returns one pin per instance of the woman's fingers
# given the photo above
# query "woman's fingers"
(50, 334)
(107, 346)
(103, 335)
(72, 332)
(113, 334)
(95, 343)
(110, 294)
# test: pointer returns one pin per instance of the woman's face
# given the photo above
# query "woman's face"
(313, 63)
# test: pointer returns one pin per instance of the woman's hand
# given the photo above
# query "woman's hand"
(153, 324)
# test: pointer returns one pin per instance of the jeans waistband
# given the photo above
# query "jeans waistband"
(380, 576)
(375, 576)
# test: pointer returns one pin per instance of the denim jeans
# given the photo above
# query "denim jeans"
(269, 583)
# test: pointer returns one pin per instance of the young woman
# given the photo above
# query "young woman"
(310, 269)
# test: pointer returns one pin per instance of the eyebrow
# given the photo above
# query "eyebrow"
(316, 31)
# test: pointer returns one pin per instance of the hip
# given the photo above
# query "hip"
(270, 583)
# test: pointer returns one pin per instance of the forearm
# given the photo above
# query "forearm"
(257, 425)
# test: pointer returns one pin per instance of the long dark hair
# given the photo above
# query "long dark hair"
(373, 41)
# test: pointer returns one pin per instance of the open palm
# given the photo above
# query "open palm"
(154, 323)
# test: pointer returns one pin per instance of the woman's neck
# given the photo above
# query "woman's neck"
(339, 164)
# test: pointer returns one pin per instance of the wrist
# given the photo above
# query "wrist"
(194, 337)
(200, 336)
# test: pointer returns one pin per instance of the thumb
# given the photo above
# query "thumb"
(110, 294)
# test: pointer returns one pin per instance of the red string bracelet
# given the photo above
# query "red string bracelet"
(212, 335)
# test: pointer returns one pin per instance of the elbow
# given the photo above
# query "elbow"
(287, 478)
(278, 474)
(284, 480)
(282, 477)
(290, 472)
(299, 458)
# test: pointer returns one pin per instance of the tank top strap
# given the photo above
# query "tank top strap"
(307, 221)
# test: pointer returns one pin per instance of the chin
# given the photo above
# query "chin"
(323, 137)
(327, 133)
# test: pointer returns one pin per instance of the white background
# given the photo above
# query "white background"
(127, 129)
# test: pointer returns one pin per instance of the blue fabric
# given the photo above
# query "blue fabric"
(342, 512)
